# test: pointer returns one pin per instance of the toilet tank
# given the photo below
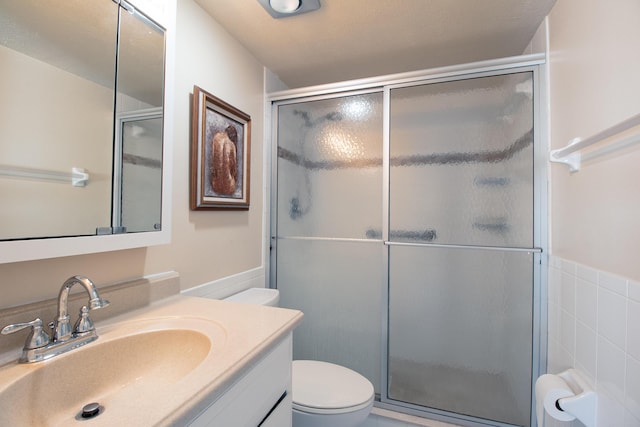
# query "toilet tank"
(257, 296)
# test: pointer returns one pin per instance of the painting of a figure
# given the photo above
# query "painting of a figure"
(220, 154)
(223, 156)
(224, 165)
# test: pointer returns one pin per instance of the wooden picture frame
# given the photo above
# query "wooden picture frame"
(220, 154)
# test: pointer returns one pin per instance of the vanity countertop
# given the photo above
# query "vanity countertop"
(251, 331)
(242, 334)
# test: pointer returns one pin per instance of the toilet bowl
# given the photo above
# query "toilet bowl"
(324, 394)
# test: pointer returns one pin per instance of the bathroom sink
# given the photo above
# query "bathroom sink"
(134, 371)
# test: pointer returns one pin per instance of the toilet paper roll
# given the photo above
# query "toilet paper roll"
(550, 388)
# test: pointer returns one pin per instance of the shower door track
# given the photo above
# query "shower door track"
(484, 248)
(328, 239)
(426, 245)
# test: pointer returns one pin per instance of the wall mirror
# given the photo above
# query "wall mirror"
(81, 124)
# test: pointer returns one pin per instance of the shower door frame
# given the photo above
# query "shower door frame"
(536, 64)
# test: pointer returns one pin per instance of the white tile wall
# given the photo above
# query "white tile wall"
(594, 326)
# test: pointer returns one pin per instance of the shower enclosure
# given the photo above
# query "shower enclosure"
(404, 225)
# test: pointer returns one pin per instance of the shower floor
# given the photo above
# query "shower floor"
(451, 389)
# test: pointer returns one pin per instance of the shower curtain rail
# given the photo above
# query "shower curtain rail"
(78, 177)
(570, 154)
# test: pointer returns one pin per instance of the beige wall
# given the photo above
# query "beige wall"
(594, 84)
(594, 69)
(206, 245)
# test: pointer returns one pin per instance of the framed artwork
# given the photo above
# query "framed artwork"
(220, 153)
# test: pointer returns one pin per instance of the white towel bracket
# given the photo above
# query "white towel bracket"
(570, 155)
(572, 160)
(78, 177)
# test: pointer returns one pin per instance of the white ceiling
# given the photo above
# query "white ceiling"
(351, 39)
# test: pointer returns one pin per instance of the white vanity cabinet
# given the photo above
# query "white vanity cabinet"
(261, 397)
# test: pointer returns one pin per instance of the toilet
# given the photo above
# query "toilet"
(324, 394)
(257, 296)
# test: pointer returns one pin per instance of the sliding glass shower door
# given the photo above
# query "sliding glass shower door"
(330, 256)
(460, 257)
(403, 227)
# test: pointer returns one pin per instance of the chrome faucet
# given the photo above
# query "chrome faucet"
(63, 331)
(40, 346)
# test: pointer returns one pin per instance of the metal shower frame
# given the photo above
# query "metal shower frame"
(536, 64)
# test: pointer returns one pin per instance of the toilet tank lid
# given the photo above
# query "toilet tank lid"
(326, 386)
(258, 296)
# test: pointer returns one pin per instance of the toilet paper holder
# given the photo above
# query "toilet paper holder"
(583, 404)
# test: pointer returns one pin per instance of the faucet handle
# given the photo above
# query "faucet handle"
(84, 323)
(36, 339)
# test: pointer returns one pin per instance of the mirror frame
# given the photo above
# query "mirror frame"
(34, 249)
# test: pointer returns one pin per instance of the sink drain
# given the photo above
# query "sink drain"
(90, 410)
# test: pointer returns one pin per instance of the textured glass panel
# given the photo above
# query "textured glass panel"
(330, 168)
(338, 286)
(141, 175)
(462, 162)
(460, 324)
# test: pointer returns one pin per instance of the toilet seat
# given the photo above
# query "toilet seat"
(326, 388)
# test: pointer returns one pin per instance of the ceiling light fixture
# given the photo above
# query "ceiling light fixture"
(285, 8)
